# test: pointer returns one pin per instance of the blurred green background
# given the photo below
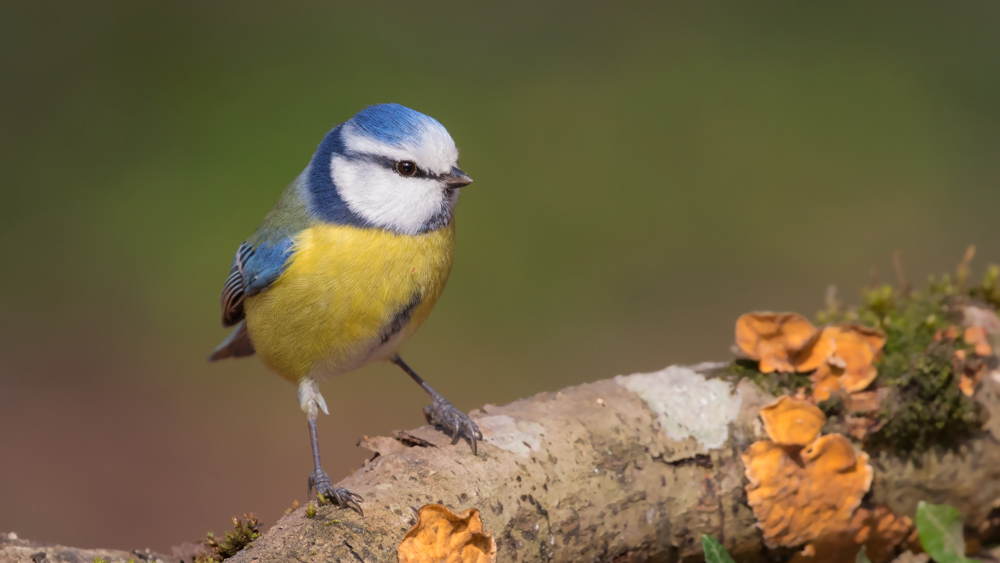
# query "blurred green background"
(645, 172)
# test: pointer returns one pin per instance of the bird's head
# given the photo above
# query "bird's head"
(389, 167)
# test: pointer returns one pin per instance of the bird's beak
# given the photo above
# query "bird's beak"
(456, 178)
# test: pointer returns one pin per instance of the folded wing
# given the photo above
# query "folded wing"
(253, 270)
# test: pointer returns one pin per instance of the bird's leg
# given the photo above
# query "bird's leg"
(441, 412)
(312, 402)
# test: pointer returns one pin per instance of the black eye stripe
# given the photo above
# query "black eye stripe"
(390, 164)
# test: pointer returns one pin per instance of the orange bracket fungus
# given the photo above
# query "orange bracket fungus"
(773, 339)
(845, 352)
(441, 536)
(842, 356)
(972, 371)
(878, 530)
(972, 368)
(792, 422)
(803, 487)
(798, 495)
(977, 337)
(826, 382)
(883, 531)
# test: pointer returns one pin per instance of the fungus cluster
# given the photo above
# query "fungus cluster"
(971, 364)
(773, 339)
(441, 535)
(840, 357)
(897, 373)
(806, 490)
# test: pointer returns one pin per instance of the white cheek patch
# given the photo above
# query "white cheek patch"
(385, 198)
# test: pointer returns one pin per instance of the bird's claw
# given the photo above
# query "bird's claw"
(442, 413)
(344, 498)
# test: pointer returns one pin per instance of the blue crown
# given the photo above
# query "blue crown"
(391, 124)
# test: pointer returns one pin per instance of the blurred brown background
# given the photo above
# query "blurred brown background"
(644, 174)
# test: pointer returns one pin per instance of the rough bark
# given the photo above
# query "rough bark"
(632, 468)
(16, 550)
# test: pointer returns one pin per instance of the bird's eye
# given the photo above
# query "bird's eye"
(406, 168)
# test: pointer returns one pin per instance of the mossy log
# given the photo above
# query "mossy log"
(634, 468)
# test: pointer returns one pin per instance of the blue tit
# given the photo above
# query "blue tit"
(349, 262)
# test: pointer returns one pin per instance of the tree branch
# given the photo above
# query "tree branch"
(632, 468)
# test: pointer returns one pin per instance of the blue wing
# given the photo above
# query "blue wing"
(254, 269)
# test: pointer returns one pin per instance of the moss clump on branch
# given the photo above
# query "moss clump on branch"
(920, 403)
(930, 410)
(925, 406)
(244, 531)
(777, 383)
(989, 290)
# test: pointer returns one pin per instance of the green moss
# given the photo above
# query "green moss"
(833, 407)
(241, 537)
(910, 324)
(989, 290)
(925, 407)
(311, 511)
(774, 383)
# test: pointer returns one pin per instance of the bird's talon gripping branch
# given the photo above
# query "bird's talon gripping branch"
(339, 496)
(320, 481)
(443, 414)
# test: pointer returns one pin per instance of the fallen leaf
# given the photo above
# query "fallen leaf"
(940, 530)
(714, 552)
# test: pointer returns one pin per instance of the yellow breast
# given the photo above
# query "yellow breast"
(334, 305)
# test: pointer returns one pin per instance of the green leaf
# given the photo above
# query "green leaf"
(940, 529)
(714, 552)
(862, 556)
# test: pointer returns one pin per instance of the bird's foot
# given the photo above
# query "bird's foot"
(443, 414)
(344, 498)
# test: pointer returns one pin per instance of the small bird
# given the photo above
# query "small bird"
(349, 262)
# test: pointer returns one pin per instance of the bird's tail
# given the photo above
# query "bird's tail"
(236, 345)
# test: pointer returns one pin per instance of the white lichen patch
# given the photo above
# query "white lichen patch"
(519, 437)
(687, 404)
